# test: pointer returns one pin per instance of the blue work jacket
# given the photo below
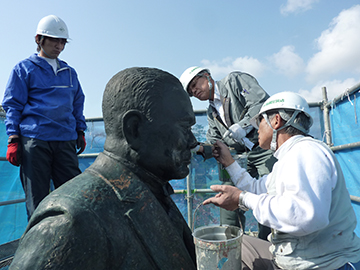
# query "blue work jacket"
(44, 104)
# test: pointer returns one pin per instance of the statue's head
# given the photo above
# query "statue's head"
(148, 119)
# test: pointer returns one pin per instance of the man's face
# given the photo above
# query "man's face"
(52, 47)
(265, 133)
(169, 137)
(199, 87)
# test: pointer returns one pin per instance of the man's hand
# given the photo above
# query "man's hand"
(227, 198)
(80, 142)
(236, 132)
(222, 154)
(13, 153)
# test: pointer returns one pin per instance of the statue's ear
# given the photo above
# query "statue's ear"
(132, 121)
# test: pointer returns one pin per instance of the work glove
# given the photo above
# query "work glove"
(13, 154)
(80, 142)
(206, 151)
(235, 132)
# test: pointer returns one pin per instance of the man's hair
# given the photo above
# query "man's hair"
(39, 39)
(301, 119)
(137, 88)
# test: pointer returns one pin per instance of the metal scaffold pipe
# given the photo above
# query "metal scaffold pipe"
(355, 198)
(326, 113)
(189, 197)
(345, 146)
(350, 91)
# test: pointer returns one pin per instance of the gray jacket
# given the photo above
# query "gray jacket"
(242, 98)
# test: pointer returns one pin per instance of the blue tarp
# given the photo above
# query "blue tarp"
(345, 128)
(12, 217)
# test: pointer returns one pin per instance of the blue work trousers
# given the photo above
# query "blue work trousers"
(43, 161)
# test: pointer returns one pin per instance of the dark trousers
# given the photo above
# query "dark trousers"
(233, 218)
(43, 161)
(255, 255)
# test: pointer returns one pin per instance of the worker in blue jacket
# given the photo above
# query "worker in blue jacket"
(44, 105)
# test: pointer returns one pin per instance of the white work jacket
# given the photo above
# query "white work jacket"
(306, 203)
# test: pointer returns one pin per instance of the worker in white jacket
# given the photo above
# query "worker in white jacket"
(304, 199)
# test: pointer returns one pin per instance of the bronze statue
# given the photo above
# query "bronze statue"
(118, 213)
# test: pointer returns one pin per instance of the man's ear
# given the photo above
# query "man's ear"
(132, 120)
(277, 121)
(38, 39)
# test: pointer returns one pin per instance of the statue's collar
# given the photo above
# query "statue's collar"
(155, 184)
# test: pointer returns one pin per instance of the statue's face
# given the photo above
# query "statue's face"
(169, 137)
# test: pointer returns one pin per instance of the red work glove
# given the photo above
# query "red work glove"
(13, 154)
(80, 142)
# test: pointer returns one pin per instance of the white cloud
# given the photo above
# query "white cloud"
(287, 61)
(296, 6)
(334, 89)
(245, 64)
(339, 47)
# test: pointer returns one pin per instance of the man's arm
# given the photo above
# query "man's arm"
(15, 98)
(246, 86)
(78, 106)
(213, 133)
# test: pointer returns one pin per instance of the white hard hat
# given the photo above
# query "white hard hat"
(284, 100)
(189, 74)
(281, 102)
(52, 26)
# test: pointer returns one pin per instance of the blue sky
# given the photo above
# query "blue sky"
(293, 45)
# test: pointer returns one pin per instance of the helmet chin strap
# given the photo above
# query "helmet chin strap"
(210, 86)
(42, 49)
(273, 144)
(48, 56)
